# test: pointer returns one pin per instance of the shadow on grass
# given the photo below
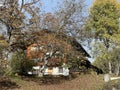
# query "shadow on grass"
(6, 83)
(48, 80)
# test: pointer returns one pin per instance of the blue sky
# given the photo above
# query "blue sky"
(50, 5)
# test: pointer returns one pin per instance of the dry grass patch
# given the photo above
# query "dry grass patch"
(82, 82)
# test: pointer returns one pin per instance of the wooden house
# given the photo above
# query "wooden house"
(50, 52)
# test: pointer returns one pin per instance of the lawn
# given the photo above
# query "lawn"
(82, 82)
(112, 85)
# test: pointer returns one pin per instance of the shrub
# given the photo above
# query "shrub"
(20, 64)
(2, 70)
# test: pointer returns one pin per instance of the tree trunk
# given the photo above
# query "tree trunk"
(117, 69)
(110, 68)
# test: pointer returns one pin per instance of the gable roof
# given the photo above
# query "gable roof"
(71, 40)
(62, 36)
(68, 43)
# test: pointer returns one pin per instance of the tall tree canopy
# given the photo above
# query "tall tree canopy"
(104, 19)
(19, 14)
(68, 18)
(103, 24)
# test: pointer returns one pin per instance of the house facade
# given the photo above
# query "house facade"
(47, 62)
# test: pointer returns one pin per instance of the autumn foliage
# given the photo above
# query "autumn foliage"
(46, 42)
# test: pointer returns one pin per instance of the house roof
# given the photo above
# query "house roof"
(43, 37)
(71, 40)
(63, 37)
(77, 46)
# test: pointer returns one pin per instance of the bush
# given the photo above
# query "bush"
(3, 66)
(2, 70)
(19, 64)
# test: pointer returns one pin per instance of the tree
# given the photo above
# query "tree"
(104, 19)
(3, 55)
(19, 64)
(18, 15)
(102, 61)
(70, 17)
(49, 21)
(103, 22)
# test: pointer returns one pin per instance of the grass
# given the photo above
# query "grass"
(112, 84)
(82, 82)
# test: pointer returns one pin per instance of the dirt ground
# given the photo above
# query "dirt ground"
(82, 82)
